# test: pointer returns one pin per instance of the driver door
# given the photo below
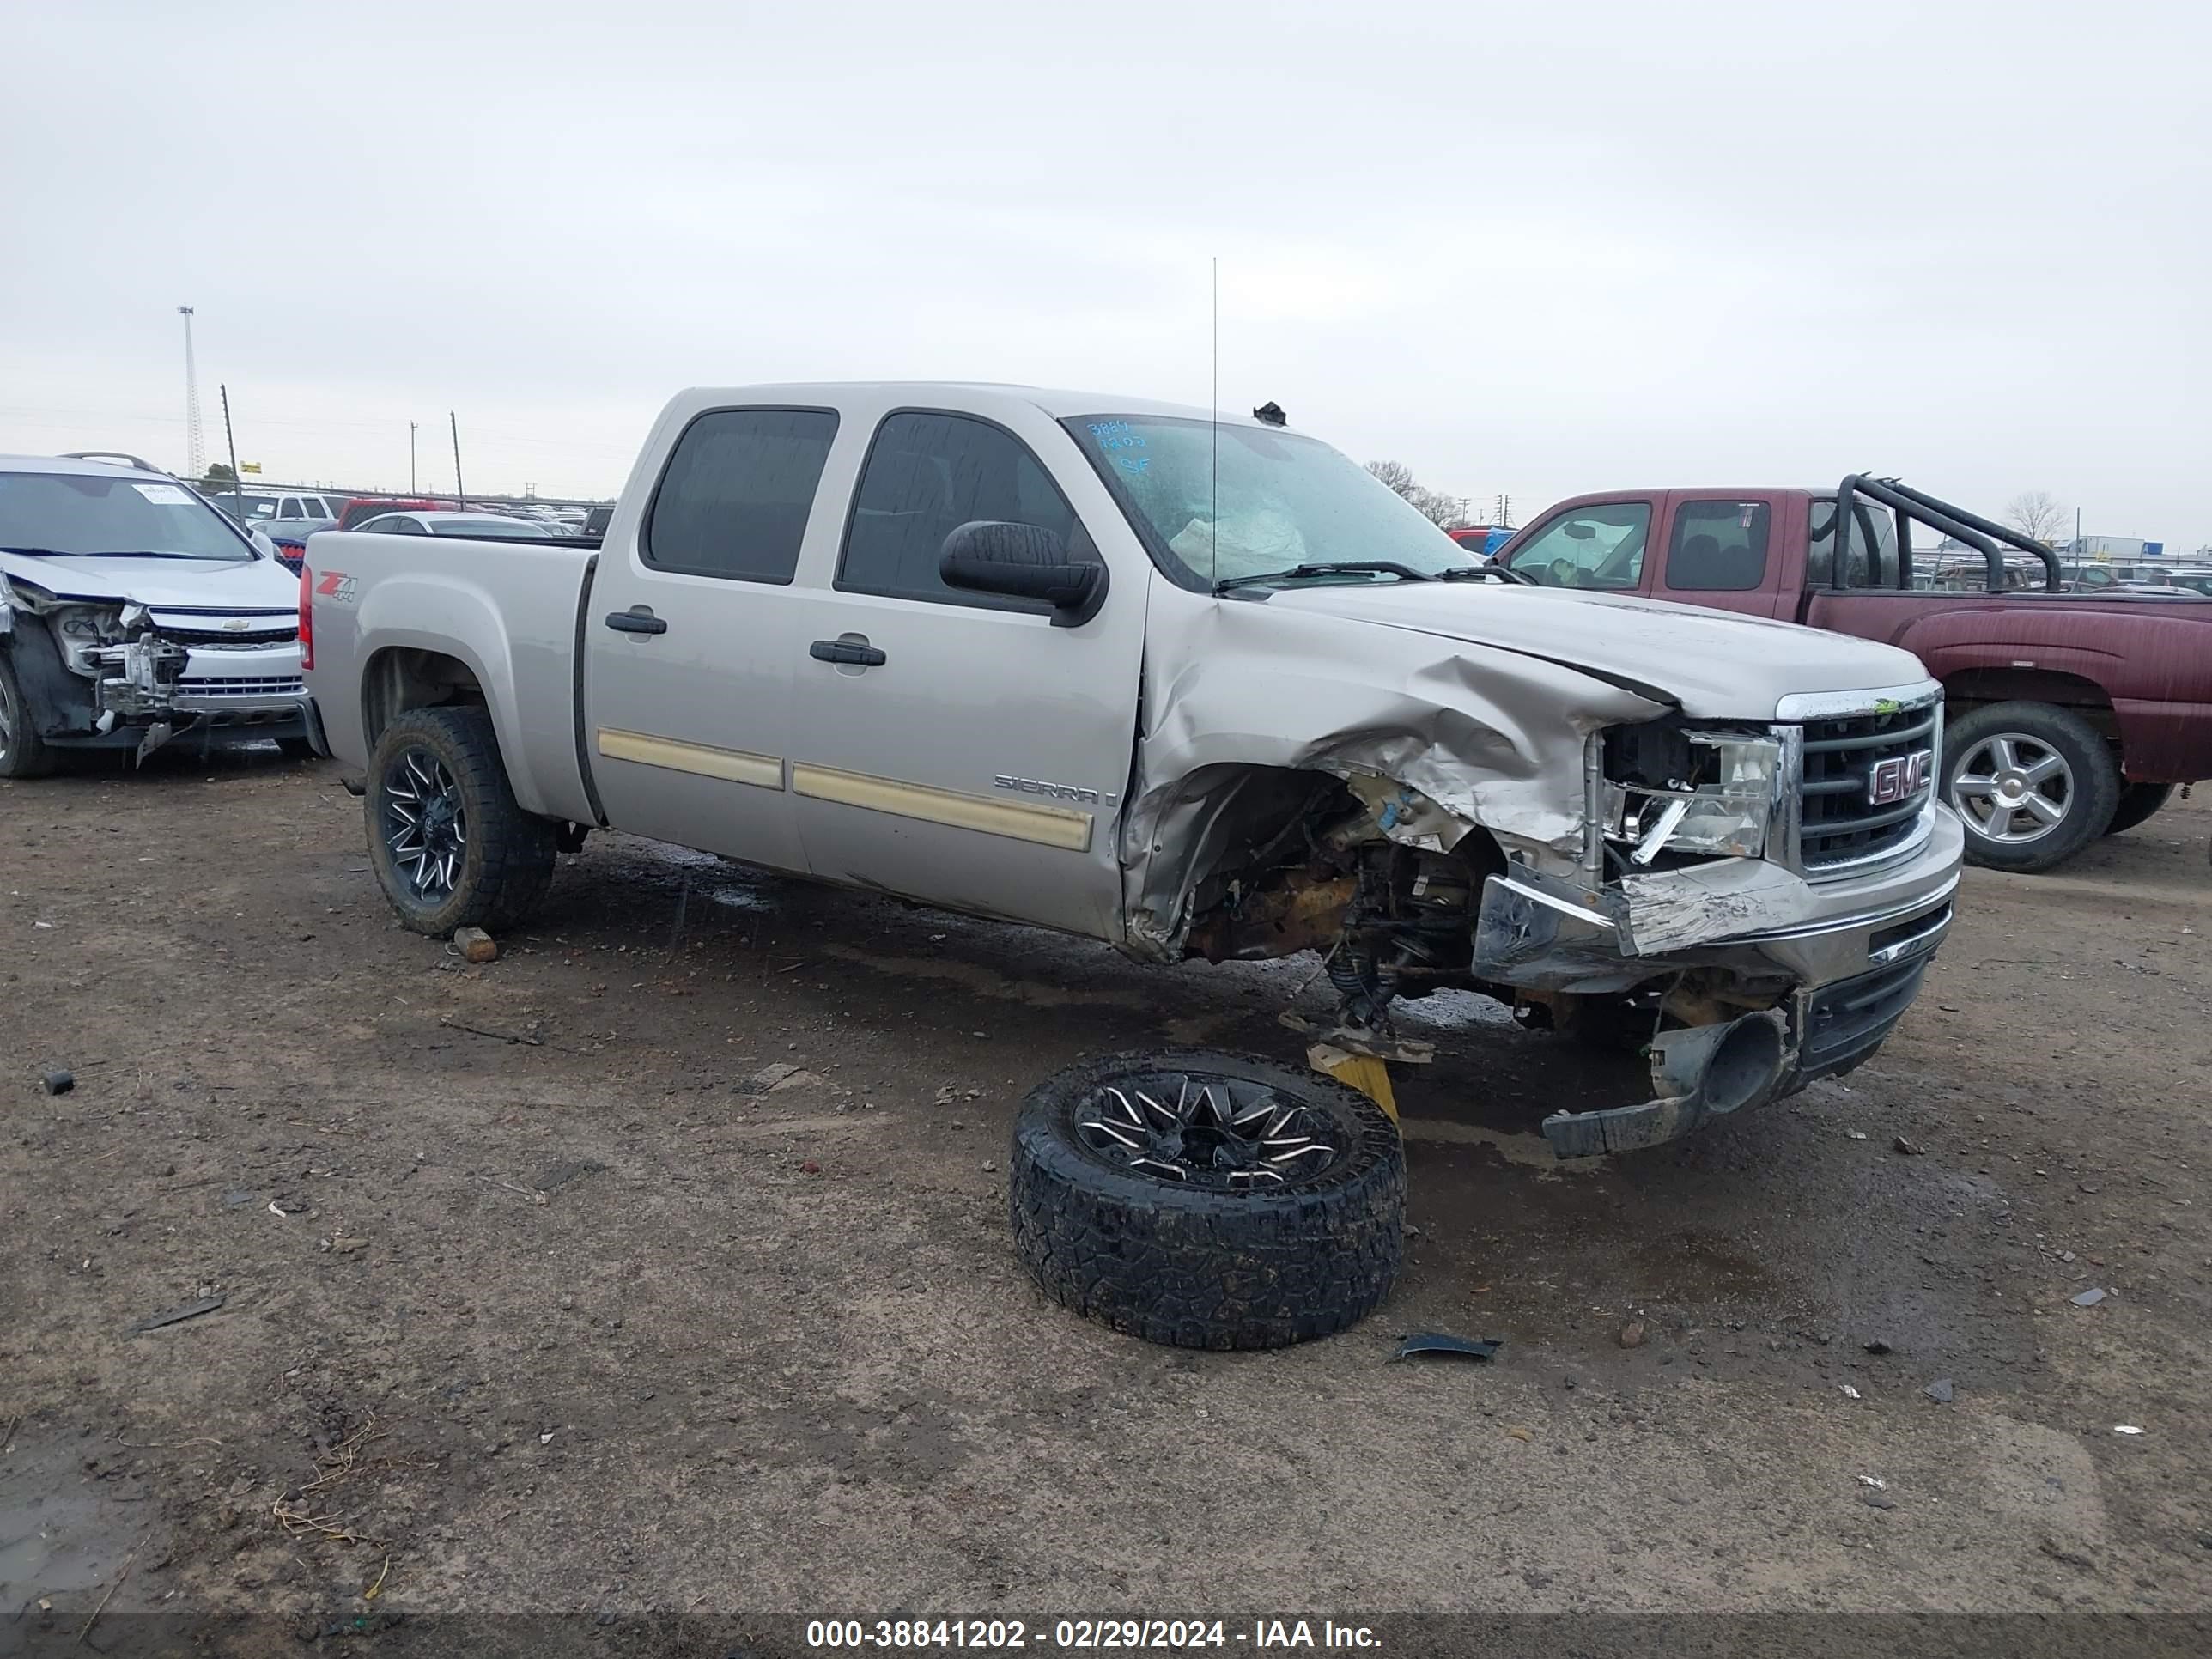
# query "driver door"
(1600, 546)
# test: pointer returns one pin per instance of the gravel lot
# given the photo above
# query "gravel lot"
(575, 1314)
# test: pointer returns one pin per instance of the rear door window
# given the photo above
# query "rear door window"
(927, 474)
(1870, 550)
(1600, 547)
(1719, 547)
(736, 496)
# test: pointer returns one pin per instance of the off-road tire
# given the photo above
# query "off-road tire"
(1197, 1266)
(2093, 794)
(2139, 802)
(509, 854)
(23, 753)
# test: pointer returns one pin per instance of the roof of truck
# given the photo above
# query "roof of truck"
(1057, 401)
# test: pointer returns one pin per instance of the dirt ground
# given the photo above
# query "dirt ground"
(566, 1313)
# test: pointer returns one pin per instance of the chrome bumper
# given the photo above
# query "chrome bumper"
(1840, 982)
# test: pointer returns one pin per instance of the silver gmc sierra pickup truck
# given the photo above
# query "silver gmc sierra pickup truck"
(1193, 687)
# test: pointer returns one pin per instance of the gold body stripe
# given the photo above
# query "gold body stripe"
(1048, 826)
(763, 771)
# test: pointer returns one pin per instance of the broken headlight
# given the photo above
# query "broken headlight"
(1671, 788)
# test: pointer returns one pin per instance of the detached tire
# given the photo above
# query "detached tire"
(1207, 1200)
(2139, 802)
(2034, 783)
(450, 846)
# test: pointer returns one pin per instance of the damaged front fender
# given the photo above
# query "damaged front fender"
(1253, 711)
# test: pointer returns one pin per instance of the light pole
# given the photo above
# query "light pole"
(411, 458)
(194, 451)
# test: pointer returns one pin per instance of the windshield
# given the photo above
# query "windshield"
(1284, 501)
(86, 514)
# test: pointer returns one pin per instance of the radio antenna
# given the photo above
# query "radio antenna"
(1213, 413)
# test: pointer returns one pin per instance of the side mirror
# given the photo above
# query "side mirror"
(259, 537)
(1023, 561)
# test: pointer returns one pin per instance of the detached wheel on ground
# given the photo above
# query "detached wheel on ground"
(2138, 802)
(449, 846)
(2034, 782)
(1207, 1200)
(23, 753)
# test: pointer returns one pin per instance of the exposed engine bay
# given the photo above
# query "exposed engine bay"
(123, 674)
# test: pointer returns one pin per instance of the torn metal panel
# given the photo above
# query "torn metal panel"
(1699, 1073)
(1478, 736)
(1664, 913)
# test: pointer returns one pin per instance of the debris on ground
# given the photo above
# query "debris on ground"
(2088, 1298)
(58, 1082)
(1855, 1134)
(567, 1170)
(1632, 1334)
(810, 1168)
(1875, 1500)
(1942, 1391)
(476, 945)
(774, 1079)
(1910, 1148)
(1851, 1393)
(1875, 1481)
(2126, 1428)
(193, 1309)
(1877, 1346)
(1440, 1342)
(347, 1243)
(287, 1206)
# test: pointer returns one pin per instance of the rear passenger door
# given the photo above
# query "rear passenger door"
(976, 757)
(691, 633)
(1720, 554)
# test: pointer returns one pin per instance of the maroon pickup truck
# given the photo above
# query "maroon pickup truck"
(2069, 715)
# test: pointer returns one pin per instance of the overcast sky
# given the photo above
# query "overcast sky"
(1528, 249)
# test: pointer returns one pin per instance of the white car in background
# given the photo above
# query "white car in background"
(272, 507)
(132, 613)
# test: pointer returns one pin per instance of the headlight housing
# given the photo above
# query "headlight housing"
(1671, 789)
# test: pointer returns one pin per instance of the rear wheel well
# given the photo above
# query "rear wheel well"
(1970, 689)
(401, 678)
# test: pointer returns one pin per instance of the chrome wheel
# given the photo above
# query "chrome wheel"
(1205, 1131)
(425, 827)
(2012, 789)
(7, 720)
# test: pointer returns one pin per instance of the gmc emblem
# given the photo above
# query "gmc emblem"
(1899, 778)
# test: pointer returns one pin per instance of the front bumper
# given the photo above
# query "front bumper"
(1844, 964)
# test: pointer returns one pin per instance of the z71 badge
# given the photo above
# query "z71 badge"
(336, 586)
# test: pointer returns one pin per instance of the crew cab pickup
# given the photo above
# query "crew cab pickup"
(1190, 686)
(2072, 715)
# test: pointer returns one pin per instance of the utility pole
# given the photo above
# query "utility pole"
(1504, 512)
(230, 441)
(411, 458)
(459, 489)
(194, 451)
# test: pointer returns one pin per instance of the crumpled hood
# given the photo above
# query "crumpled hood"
(240, 586)
(1716, 666)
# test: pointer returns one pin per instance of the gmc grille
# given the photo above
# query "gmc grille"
(1839, 821)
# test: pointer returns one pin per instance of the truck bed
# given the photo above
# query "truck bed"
(511, 610)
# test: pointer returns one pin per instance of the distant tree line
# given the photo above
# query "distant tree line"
(1448, 512)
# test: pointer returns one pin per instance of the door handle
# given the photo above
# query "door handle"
(638, 619)
(845, 651)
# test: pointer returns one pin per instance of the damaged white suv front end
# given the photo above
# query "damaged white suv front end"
(133, 615)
